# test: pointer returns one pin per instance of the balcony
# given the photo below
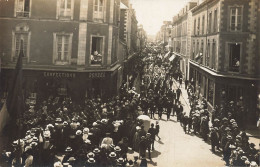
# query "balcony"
(23, 14)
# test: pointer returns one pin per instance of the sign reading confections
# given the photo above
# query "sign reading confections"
(59, 74)
(97, 75)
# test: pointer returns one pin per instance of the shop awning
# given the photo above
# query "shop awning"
(172, 57)
(123, 6)
(167, 54)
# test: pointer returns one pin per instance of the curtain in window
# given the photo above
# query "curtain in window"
(62, 47)
(18, 38)
(99, 9)
(65, 7)
(235, 18)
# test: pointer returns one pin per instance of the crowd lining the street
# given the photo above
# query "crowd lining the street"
(100, 132)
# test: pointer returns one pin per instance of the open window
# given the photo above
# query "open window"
(234, 57)
(21, 38)
(22, 8)
(96, 50)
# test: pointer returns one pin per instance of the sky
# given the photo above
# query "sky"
(152, 13)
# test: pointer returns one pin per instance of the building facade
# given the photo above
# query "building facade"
(224, 56)
(70, 46)
(164, 35)
(141, 38)
(181, 37)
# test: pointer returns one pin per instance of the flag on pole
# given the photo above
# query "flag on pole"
(13, 106)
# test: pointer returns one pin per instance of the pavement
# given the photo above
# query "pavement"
(177, 149)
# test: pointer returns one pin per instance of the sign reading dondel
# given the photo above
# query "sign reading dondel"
(97, 75)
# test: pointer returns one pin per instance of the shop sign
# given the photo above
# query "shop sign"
(97, 75)
(59, 74)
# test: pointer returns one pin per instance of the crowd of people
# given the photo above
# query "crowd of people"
(225, 129)
(101, 132)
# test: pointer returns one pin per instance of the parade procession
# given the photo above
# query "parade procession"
(84, 85)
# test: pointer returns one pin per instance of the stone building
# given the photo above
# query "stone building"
(70, 46)
(128, 37)
(224, 55)
(141, 38)
(181, 36)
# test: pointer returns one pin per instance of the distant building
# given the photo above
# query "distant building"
(224, 54)
(165, 32)
(141, 38)
(70, 46)
(181, 37)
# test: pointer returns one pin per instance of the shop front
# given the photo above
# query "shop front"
(221, 89)
(76, 85)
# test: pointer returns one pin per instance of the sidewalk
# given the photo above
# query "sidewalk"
(253, 133)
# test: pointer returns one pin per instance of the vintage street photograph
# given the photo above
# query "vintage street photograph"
(129, 83)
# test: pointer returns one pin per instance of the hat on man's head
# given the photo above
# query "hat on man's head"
(94, 124)
(57, 164)
(90, 155)
(85, 130)
(96, 151)
(78, 132)
(117, 149)
(120, 160)
(104, 121)
(229, 137)
(71, 159)
(68, 149)
(112, 155)
(148, 134)
(232, 146)
(58, 120)
(91, 160)
(244, 158)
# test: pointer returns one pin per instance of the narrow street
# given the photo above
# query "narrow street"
(179, 149)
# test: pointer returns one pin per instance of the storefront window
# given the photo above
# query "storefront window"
(210, 91)
(62, 90)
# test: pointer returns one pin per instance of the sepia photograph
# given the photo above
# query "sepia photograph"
(129, 83)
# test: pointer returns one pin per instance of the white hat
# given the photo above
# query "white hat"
(95, 124)
(85, 130)
(91, 155)
(78, 132)
(57, 164)
(253, 164)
